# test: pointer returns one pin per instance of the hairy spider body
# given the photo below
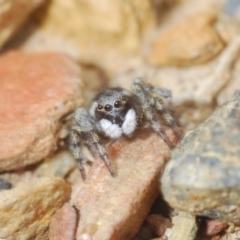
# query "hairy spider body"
(118, 112)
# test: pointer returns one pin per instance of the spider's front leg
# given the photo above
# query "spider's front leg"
(84, 132)
(138, 88)
(75, 149)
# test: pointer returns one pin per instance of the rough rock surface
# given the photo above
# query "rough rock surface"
(59, 165)
(189, 42)
(27, 208)
(4, 184)
(234, 82)
(11, 18)
(203, 175)
(231, 236)
(138, 163)
(195, 89)
(36, 91)
(212, 227)
(184, 227)
(88, 35)
(63, 224)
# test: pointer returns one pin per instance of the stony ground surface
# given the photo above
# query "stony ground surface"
(31, 204)
(209, 156)
(100, 200)
(208, 182)
(65, 53)
(63, 224)
(36, 92)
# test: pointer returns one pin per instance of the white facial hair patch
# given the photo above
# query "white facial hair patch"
(112, 131)
(129, 125)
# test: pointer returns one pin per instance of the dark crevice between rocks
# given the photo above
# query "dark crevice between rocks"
(77, 220)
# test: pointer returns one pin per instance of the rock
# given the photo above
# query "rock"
(192, 41)
(231, 236)
(27, 208)
(97, 81)
(36, 92)
(115, 208)
(63, 224)
(184, 227)
(232, 8)
(202, 177)
(59, 165)
(227, 27)
(76, 181)
(11, 18)
(194, 89)
(158, 224)
(161, 8)
(4, 184)
(212, 227)
(88, 35)
(144, 233)
(232, 85)
(217, 237)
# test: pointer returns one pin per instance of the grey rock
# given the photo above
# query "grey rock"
(203, 176)
(4, 185)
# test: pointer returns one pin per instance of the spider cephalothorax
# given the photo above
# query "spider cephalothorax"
(118, 112)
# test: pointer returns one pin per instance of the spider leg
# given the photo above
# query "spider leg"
(148, 110)
(156, 126)
(84, 133)
(94, 138)
(167, 116)
(163, 92)
(75, 149)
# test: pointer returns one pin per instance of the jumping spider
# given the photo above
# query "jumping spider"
(117, 112)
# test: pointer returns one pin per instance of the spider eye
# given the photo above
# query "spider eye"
(124, 98)
(100, 107)
(117, 104)
(108, 108)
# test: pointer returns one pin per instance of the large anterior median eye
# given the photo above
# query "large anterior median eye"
(108, 108)
(117, 104)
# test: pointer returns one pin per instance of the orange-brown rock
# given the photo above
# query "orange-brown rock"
(36, 91)
(212, 227)
(63, 224)
(27, 208)
(114, 208)
(188, 42)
